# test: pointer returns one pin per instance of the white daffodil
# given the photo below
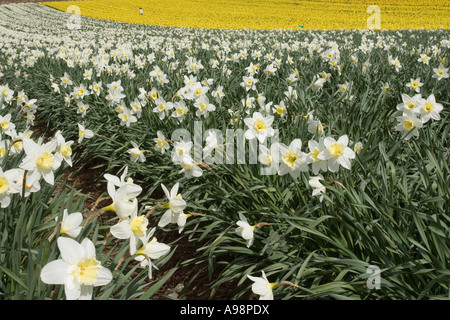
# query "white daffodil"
(133, 227)
(336, 153)
(410, 123)
(249, 83)
(319, 188)
(96, 88)
(149, 251)
(262, 287)
(245, 230)
(203, 106)
(162, 107)
(31, 182)
(71, 223)
(430, 109)
(318, 84)
(41, 159)
(136, 108)
(136, 153)
(8, 185)
(7, 126)
(440, 72)
(78, 269)
(175, 205)
(189, 167)
(65, 80)
(161, 142)
(64, 147)
(180, 111)
(124, 200)
(415, 84)
(180, 149)
(84, 133)
(259, 127)
(357, 147)
(291, 93)
(6, 93)
(212, 143)
(410, 104)
(280, 109)
(218, 94)
(315, 148)
(126, 117)
(17, 140)
(292, 159)
(269, 158)
(82, 108)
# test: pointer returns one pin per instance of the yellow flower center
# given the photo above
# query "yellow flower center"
(280, 110)
(5, 125)
(4, 185)
(408, 125)
(260, 125)
(18, 145)
(266, 159)
(180, 111)
(66, 151)
(336, 149)
(440, 72)
(87, 270)
(314, 154)
(139, 226)
(410, 105)
(290, 158)
(125, 117)
(80, 92)
(428, 107)
(160, 143)
(415, 84)
(45, 160)
(154, 95)
(161, 107)
(202, 106)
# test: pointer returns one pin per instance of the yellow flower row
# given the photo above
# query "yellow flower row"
(269, 14)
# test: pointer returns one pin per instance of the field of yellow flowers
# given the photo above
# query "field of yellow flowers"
(273, 14)
(144, 162)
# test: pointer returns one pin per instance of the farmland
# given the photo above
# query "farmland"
(274, 14)
(213, 161)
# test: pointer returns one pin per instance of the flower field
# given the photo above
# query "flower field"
(274, 14)
(213, 161)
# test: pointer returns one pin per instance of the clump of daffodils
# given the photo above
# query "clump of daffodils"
(416, 111)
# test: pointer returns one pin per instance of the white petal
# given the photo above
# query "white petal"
(55, 272)
(71, 251)
(72, 292)
(155, 250)
(165, 219)
(121, 230)
(104, 277)
(89, 247)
